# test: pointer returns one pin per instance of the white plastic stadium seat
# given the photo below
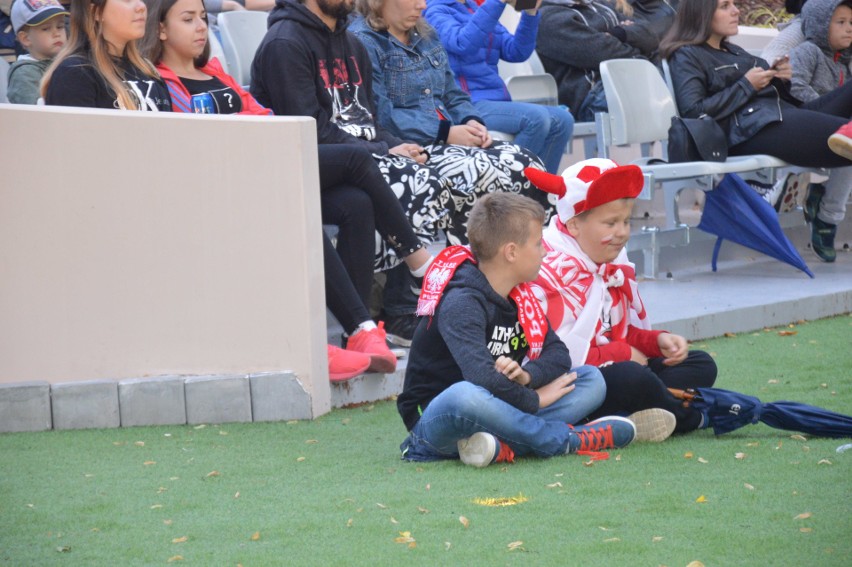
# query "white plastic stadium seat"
(216, 50)
(242, 31)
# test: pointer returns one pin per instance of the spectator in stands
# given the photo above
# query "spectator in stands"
(475, 42)
(309, 64)
(40, 28)
(751, 100)
(654, 16)
(575, 36)
(789, 33)
(822, 62)
(588, 290)
(101, 66)
(354, 194)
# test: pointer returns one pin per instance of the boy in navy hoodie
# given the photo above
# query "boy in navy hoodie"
(487, 378)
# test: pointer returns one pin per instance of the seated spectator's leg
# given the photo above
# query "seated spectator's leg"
(473, 172)
(464, 409)
(832, 206)
(837, 102)
(543, 130)
(698, 370)
(351, 210)
(340, 295)
(588, 395)
(632, 387)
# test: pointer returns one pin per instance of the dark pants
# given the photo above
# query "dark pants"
(355, 197)
(631, 387)
(801, 138)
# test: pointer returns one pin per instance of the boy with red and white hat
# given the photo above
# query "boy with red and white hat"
(588, 289)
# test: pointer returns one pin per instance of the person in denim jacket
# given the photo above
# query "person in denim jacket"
(475, 42)
(417, 98)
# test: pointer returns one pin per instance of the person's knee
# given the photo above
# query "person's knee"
(591, 382)
(462, 399)
(706, 369)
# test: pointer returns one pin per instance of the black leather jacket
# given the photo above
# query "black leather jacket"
(712, 82)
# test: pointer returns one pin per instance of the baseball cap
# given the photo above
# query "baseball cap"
(34, 12)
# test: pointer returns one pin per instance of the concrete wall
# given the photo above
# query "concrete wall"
(136, 245)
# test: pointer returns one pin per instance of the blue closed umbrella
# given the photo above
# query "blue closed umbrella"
(734, 211)
(728, 410)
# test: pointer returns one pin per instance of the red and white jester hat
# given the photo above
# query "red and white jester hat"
(588, 184)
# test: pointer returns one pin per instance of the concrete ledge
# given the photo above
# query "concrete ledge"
(278, 396)
(367, 388)
(25, 406)
(152, 401)
(218, 399)
(85, 405)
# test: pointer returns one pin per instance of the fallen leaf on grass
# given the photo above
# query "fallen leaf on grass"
(300, 459)
(202, 426)
(147, 463)
(237, 494)
(740, 456)
(516, 545)
(393, 520)
(349, 523)
(180, 539)
(773, 381)
(701, 499)
(167, 522)
(749, 486)
(405, 537)
(464, 521)
(381, 506)
(140, 443)
(502, 501)
(422, 510)
(806, 530)
(657, 539)
(730, 335)
(212, 473)
(787, 333)
(603, 528)
(555, 485)
(688, 455)
(695, 564)
(447, 545)
(63, 549)
(255, 536)
(824, 462)
(174, 558)
(702, 460)
(803, 516)
(223, 432)
(155, 506)
(312, 441)
(753, 444)
(612, 539)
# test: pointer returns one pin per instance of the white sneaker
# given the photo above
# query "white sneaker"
(478, 450)
(653, 425)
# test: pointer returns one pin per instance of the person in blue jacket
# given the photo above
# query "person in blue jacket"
(475, 42)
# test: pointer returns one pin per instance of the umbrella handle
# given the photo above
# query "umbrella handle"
(686, 395)
(716, 248)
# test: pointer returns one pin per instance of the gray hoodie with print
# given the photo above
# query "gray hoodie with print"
(817, 69)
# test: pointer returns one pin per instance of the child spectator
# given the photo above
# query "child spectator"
(789, 33)
(101, 67)
(822, 62)
(40, 27)
(588, 289)
(475, 42)
(486, 378)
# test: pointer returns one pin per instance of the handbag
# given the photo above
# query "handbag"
(696, 139)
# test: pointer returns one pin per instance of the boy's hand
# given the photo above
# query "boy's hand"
(637, 355)
(673, 347)
(512, 370)
(556, 389)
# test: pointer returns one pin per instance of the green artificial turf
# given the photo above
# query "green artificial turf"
(334, 492)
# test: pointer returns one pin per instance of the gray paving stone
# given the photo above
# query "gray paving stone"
(217, 399)
(25, 406)
(278, 396)
(85, 405)
(368, 388)
(152, 401)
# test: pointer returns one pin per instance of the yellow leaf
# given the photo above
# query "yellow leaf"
(787, 333)
(404, 537)
(603, 528)
(300, 459)
(174, 558)
(312, 441)
(464, 521)
(773, 381)
(824, 462)
(447, 545)
(202, 426)
(798, 437)
(428, 487)
(702, 460)
(740, 456)
(516, 545)
(590, 463)
(63, 548)
(806, 530)
(380, 505)
(502, 501)
(701, 499)
(753, 444)
(255, 536)
(803, 516)
(349, 523)
(393, 520)
(212, 473)
(695, 564)
(155, 506)
(618, 457)
(688, 455)
(146, 463)
(180, 539)
(140, 443)
(747, 485)
(167, 522)
(223, 433)
(657, 539)
(237, 494)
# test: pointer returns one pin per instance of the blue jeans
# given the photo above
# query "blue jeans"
(465, 408)
(543, 130)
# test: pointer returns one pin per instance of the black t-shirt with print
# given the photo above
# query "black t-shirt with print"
(225, 99)
(76, 82)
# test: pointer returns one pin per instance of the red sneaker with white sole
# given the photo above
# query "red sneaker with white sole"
(344, 364)
(374, 344)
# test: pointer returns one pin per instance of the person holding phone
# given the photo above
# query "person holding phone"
(475, 42)
(752, 102)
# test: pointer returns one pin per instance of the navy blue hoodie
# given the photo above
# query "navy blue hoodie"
(473, 326)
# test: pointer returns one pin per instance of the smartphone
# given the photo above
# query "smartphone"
(778, 60)
(525, 4)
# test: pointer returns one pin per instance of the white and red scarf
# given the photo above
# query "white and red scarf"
(587, 304)
(440, 272)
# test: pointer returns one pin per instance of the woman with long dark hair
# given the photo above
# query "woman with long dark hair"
(750, 99)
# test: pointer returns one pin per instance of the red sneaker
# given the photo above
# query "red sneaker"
(344, 364)
(841, 141)
(373, 343)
